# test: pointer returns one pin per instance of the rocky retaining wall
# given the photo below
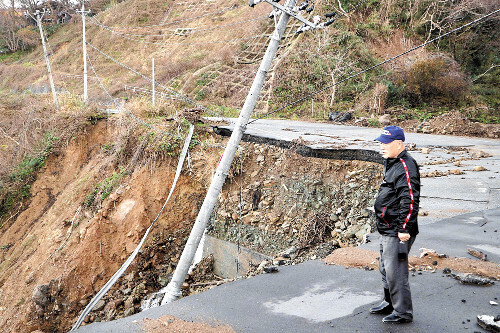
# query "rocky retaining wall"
(291, 200)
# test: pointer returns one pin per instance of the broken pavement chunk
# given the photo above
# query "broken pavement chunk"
(473, 279)
(425, 252)
(488, 323)
(271, 269)
(478, 254)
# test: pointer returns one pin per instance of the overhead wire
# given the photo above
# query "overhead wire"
(131, 115)
(373, 67)
(233, 7)
(191, 30)
(137, 119)
(186, 99)
(227, 41)
(149, 92)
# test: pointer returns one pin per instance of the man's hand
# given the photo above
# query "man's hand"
(403, 237)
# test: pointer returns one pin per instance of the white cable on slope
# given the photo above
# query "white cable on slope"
(127, 263)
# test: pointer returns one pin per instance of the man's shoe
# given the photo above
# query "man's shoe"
(383, 308)
(394, 318)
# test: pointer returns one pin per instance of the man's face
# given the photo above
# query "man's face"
(391, 150)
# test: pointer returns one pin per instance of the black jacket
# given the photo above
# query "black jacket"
(396, 206)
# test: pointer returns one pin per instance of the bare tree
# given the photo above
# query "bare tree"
(10, 21)
(338, 63)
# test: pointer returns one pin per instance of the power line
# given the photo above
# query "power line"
(131, 115)
(186, 99)
(190, 30)
(148, 91)
(178, 43)
(233, 7)
(375, 66)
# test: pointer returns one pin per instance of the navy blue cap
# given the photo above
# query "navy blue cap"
(391, 133)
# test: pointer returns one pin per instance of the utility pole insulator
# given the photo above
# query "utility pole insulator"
(283, 9)
(304, 6)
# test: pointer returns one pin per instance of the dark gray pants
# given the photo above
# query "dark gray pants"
(395, 275)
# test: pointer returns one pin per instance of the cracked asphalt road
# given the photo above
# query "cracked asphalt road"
(441, 197)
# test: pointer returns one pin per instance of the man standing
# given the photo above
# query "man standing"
(396, 209)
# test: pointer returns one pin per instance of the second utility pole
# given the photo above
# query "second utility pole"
(84, 47)
(39, 15)
(173, 289)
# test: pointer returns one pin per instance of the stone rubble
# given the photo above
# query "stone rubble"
(286, 195)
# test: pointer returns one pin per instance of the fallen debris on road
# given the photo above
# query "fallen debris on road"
(473, 279)
(489, 323)
(478, 254)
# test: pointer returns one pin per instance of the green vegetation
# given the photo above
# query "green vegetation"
(436, 81)
(31, 164)
(225, 111)
(103, 189)
(108, 148)
(28, 242)
(21, 301)
(459, 72)
(200, 94)
(24, 174)
(8, 57)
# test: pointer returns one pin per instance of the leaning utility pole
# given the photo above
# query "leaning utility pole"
(84, 46)
(38, 18)
(172, 290)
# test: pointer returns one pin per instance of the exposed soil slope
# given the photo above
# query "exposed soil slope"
(57, 253)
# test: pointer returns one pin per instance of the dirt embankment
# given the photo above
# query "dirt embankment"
(57, 253)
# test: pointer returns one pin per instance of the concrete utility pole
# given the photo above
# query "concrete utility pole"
(172, 290)
(38, 18)
(84, 47)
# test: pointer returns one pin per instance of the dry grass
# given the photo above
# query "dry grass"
(175, 61)
(314, 230)
(31, 129)
(27, 119)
